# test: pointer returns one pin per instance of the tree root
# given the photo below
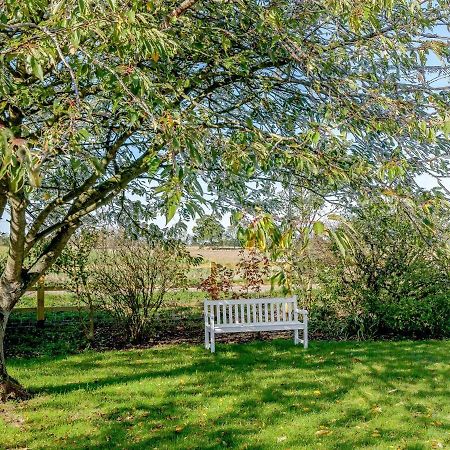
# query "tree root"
(11, 389)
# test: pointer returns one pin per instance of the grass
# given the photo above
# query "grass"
(262, 395)
(191, 298)
(51, 299)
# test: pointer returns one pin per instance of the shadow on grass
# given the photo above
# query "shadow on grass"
(258, 395)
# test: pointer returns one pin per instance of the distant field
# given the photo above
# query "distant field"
(224, 256)
(221, 256)
(227, 257)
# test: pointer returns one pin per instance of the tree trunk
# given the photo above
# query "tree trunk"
(4, 316)
(10, 389)
(90, 335)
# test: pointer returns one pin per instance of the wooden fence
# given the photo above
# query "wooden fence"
(40, 309)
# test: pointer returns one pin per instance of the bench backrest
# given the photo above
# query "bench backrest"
(251, 311)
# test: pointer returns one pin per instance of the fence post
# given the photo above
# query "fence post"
(40, 311)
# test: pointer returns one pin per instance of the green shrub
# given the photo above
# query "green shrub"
(394, 284)
(342, 310)
(131, 281)
(427, 317)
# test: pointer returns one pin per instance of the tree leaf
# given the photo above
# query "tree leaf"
(173, 203)
(315, 138)
(36, 68)
(318, 228)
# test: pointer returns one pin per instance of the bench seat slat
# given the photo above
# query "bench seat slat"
(259, 327)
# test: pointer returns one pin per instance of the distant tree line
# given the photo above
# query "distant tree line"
(209, 231)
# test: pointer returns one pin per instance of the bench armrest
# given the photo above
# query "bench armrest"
(303, 312)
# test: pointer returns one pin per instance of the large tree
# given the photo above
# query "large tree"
(167, 97)
(208, 231)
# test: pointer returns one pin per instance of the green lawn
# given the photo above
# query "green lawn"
(51, 299)
(261, 395)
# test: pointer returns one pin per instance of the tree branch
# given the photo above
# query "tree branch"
(92, 198)
(177, 12)
(14, 261)
(33, 232)
(50, 254)
(57, 47)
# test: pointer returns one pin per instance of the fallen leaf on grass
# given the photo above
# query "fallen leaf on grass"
(323, 432)
(436, 423)
(281, 438)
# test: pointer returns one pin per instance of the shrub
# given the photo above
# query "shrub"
(75, 263)
(252, 268)
(336, 313)
(133, 278)
(428, 317)
(395, 283)
(218, 283)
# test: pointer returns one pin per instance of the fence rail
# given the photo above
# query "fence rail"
(48, 288)
(52, 309)
(40, 308)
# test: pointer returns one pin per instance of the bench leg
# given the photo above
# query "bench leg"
(207, 338)
(296, 340)
(305, 337)
(212, 341)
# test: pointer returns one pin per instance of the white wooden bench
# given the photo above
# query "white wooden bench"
(260, 314)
